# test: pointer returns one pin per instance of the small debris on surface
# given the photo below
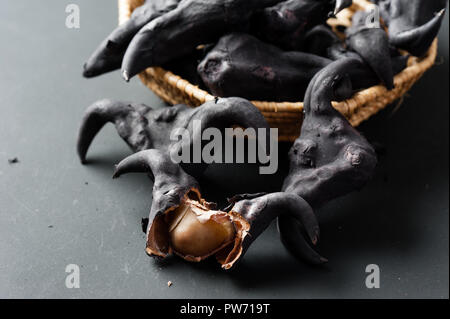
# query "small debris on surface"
(169, 284)
(13, 160)
(50, 226)
(86, 183)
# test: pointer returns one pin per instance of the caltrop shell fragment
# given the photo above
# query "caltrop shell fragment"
(254, 49)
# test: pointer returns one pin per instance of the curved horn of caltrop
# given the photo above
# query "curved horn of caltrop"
(230, 113)
(324, 87)
(172, 187)
(372, 44)
(123, 114)
(95, 117)
(417, 40)
(174, 34)
(108, 56)
(294, 240)
(414, 24)
(152, 161)
(255, 215)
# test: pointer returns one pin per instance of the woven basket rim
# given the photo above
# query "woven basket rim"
(350, 108)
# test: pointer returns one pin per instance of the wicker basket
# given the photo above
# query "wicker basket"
(287, 116)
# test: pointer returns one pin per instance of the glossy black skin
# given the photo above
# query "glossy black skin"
(330, 158)
(413, 24)
(109, 55)
(372, 44)
(286, 23)
(180, 31)
(363, 76)
(242, 65)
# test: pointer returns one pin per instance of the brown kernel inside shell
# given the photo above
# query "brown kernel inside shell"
(197, 232)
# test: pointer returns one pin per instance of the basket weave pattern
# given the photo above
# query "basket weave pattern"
(287, 116)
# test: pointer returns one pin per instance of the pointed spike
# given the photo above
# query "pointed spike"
(230, 112)
(294, 241)
(341, 5)
(150, 161)
(125, 76)
(417, 40)
(96, 116)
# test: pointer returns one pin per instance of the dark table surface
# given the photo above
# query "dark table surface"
(55, 212)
